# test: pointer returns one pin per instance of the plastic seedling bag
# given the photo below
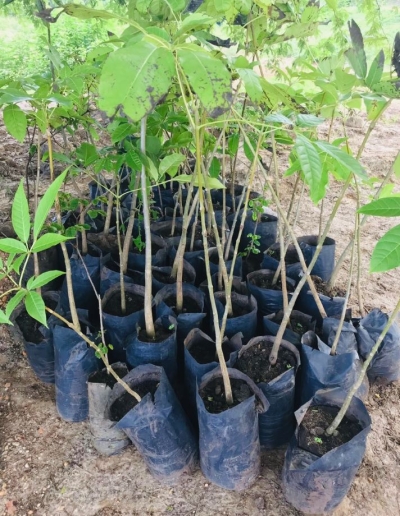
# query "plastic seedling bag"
(158, 427)
(229, 441)
(200, 358)
(325, 263)
(140, 351)
(106, 438)
(321, 370)
(119, 327)
(317, 485)
(277, 424)
(244, 317)
(74, 360)
(385, 366)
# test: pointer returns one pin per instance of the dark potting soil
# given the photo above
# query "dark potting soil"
(255, 364)
(322, 288)
(169, 280)
(213, 395)
(252, 262)
(161, 335)
(205, 352)
(126, 401)
(134, 303)
(294, 325)
(266, 282)
(237, 309)
(291, 255)
(30, 327)
(214, 258)
(107, 378)
(189, 305)
(312, 436)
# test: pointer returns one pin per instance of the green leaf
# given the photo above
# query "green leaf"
(87, 13)
(386, 254)
(41, 120)
(20, 214)
(279, 118)
(46, 203)
(396, 166)
(356, 55)
(15, 121)
(153, 145)
(309, 120)
(46, 241)
(133, 160)
(390, 89)
(215, 167)
(43, 279)
(137, 78)
(233, 144)
(209, 78)
(385, 207)
(252, 83)
(376, 70)
(15, 301)
(311, 166)
(210, 182)
(87, 152)
(4, 319)
(152, 170)
(35, 307)
(12, 96)
(195, 21)
(170, 164)
(342, 157)
(16, 264)
(11, 245)
(121, 132)
(374, 104)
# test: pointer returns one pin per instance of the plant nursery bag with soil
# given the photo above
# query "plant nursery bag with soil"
(277, 383)
(317, 483)
(321, 370)
(299, 324)
(119, 327)
(244, 316)
(162, 351)
(229, 436)
(157, 425)
(74, 360)
(201, 357)
(325, 263)
(106, 438)
(385, 366)
(37, 339)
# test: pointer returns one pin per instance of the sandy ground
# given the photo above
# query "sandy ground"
(49, 468)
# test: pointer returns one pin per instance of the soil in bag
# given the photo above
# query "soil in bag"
(38, 340)
(312, 436)
(156, 425)
(107, 439)
(276, 382)
(126, 401)
(316, 482)
(255, 362)
(229, 434)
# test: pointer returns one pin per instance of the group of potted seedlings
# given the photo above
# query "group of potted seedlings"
(165, 390)
(191, 321)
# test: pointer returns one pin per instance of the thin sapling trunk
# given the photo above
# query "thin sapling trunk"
(148, 313)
